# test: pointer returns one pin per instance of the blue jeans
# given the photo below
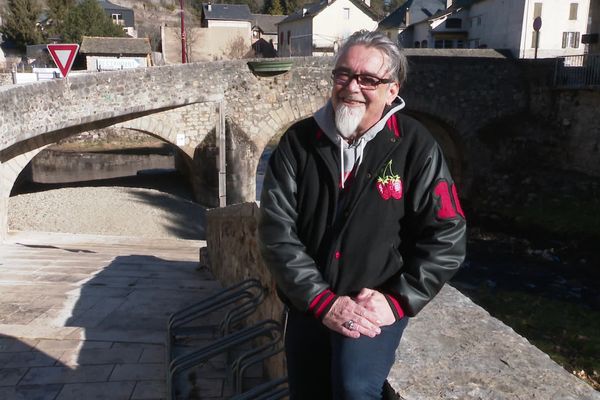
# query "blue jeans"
(323, 364)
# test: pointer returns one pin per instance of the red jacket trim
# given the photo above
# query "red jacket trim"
(322, 303)
(395, 306)
(392, 124)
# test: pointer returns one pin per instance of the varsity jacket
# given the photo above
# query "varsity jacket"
(396, 225)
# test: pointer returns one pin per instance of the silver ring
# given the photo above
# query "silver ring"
(350, 325)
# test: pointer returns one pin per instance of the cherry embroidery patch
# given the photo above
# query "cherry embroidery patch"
(389, 184)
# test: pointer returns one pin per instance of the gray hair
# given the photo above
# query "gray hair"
(397, 63)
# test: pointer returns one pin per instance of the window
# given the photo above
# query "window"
(573, 12)
(460, 44)
(417, 44)
(443, 44)
(537, 10)
(453, 23)
(570, 39)
(117, 19)
(474, 43)
(346, 13)
(424, 44)
(534, 38)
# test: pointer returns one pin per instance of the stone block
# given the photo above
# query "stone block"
(144, 372)
(37, 392)
(97, 391)
(11, 376)
(455, 350)
(149, 390)
(82, 374)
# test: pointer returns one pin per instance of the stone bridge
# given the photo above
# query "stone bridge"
(456, 97)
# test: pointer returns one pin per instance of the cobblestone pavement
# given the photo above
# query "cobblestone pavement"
(84, 317)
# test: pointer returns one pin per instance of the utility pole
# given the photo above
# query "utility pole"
(183, 46)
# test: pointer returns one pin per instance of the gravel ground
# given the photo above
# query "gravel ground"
(122, 211)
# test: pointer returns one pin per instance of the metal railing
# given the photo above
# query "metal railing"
(192, 341)
(577, 71)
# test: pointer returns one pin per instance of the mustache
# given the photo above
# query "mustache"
(353, 98)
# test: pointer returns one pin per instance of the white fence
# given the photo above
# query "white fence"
(577, 71)
(40, 74)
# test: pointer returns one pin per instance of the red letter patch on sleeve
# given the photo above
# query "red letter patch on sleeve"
(446, 210)
(457, 202)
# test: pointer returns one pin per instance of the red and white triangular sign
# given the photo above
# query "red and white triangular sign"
(63, 56)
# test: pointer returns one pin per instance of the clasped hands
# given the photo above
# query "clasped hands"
(369, 311)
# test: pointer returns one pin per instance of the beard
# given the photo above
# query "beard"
(347, 119)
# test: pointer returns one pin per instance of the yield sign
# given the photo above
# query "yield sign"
(63, 56)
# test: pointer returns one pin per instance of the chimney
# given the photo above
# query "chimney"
(448, 3)
(209, 7)
(368, 3)
(304, 10)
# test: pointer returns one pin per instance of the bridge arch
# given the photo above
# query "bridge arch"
(450, 141)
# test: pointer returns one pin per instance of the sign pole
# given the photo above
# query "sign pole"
(183, 38)
(537, 25)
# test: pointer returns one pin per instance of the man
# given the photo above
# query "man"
(360, 226)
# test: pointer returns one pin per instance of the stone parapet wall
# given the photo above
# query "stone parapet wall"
(452, 350)
(6, 78)
(231, 236)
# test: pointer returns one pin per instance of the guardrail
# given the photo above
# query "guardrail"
(577, 71)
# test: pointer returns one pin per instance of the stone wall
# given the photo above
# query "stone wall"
(452, 350)
(567, 128)
(6, 79)
(577, 112)
(206, 44)
(231, 235)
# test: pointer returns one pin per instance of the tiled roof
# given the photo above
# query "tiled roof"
(229, 12)
(267, 23)
(456, 6)
(117, 45)
(107, 5)
(419, 10)
(311, 10)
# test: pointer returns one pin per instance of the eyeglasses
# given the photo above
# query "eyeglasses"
(365, 81)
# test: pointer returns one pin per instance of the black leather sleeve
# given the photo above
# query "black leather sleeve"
(434, 243)
(295, 272)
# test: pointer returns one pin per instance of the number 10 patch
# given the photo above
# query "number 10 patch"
(448, 202)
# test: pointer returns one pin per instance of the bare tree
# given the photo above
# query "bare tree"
(191, 35)
(237, 48)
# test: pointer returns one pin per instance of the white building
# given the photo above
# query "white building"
(409, 13)
(226, 16)
(507, 24)
(319, 28)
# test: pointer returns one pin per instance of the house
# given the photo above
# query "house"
(113, 53)
(408, 14)
(264, 32)
(226, 16)
(592, 38)
(224, 33)
(502, 24)
(122, 16)
(319, 28)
